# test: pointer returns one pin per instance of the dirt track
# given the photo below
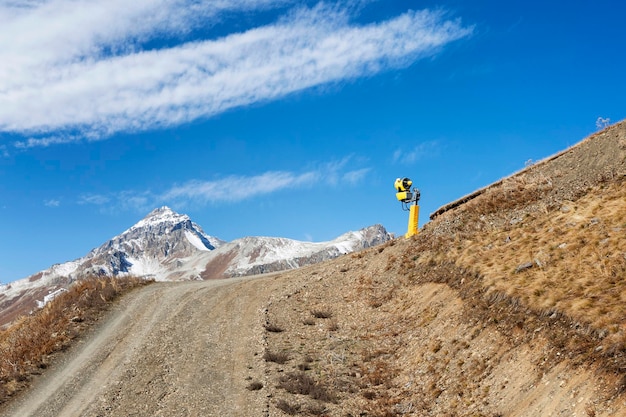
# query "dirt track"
(166, 350)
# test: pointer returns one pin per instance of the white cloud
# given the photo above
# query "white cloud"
(355, 177)
(96, 199)
(234, 188)
(75, 69)
(237, 188)
(417, 153)
(45, 141)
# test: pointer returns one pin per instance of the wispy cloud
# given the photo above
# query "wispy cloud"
(52, 203)
(355, 177)
(416, 153)
(96, 199)
(79, 69)
(237, 188)
(229, 189)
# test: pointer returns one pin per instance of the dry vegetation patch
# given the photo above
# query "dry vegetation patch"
(26, 345)
(568, 260)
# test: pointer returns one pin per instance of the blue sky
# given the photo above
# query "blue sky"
(281, 118)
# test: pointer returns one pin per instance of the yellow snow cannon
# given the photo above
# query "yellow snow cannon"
(409, 199)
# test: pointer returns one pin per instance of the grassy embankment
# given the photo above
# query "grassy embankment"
(26, 345)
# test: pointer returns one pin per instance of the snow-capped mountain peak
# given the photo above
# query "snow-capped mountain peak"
(168, 246)
(151, 244)
(162, 215)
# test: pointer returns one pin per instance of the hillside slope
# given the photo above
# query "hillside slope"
(511, 302)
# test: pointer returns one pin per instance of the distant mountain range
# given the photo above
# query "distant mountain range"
(168, 246)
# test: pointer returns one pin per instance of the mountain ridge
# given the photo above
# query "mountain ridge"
(168, 246)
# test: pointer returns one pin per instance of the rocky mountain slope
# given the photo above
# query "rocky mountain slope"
(168, 246)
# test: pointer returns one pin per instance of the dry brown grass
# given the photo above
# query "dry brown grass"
(26, 346)
(574, 256)
(276, 357)
(303, 384)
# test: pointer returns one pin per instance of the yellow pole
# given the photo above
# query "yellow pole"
(413, 218)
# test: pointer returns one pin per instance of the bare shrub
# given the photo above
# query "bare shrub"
(333, 326)
(276, 357)
(304, 367)
(273, 328)
(391, 262)
(255, 386)
(322, 314)
(370, 395)
(287, 408)
(316, 409)
(301, 383)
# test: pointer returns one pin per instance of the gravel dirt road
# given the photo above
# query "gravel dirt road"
(170, 349)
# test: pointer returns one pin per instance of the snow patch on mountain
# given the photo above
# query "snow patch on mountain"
(54, 294)
(146, 267)
(66, 268)
(196, 241)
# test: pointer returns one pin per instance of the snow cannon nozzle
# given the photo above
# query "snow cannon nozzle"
(404, 193)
